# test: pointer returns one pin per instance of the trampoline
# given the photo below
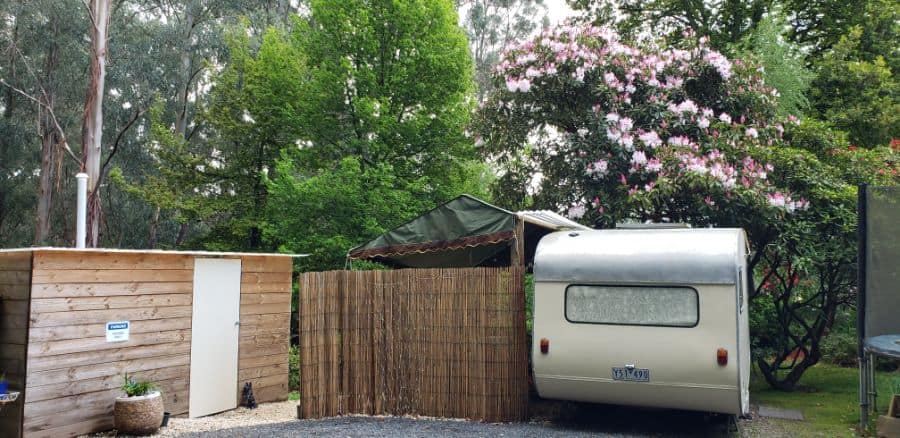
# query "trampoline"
(878, 299)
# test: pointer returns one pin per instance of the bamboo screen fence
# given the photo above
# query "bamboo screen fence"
(437, 342)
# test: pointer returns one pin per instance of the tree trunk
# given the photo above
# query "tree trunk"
(152, 239)
(182, 116)
(182, 234)
(49, 139)
(92, 130)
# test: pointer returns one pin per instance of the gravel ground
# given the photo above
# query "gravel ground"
(549, 419)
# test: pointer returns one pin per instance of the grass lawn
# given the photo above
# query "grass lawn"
(828, 398)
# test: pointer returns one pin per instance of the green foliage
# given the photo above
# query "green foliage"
(294, 368)
(136, 388)
(332, 210)
(724, 22)
(856, 95)
(383, 120)
(782, 64)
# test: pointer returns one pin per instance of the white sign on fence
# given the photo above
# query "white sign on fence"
(117, 331)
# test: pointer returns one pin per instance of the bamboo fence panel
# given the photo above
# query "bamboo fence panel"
(433, 342)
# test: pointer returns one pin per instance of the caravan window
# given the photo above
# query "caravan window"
(633, 305)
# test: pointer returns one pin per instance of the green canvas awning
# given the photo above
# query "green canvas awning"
(463, 232)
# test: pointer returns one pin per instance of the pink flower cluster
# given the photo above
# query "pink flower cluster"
(643, 127)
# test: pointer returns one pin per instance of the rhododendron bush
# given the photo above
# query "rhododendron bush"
(605, 131)
(616, 131)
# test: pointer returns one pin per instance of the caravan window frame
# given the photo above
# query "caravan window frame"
(660, 286)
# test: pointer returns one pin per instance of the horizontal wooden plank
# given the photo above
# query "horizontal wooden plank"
(54, 319)
(266, 298)
(103, 369)
(15, 261)
(259, 351)
(261, 382)
(258, 309)
(129, 288)
(90, 261)
(81, 386)
(10, 321)
(265, 323)
(266, 264)
(20, 291)
(99, 344)
(42, 276)
(46, 305)
(119, 354)
(39, 334)
(262, 361)
(255, 341)
(96, 423)
(58, 412)
(256, 288)
(9, 337)
(265, 277)
(15, 277)
(266, 371)
(13, 307)
(268, 394)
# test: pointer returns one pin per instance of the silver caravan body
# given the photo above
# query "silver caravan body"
(642, 317)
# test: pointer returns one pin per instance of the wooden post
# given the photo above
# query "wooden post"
(517, 246)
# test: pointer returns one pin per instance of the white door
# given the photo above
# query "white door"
(214, 336)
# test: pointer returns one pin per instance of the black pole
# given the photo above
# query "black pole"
(862, 238)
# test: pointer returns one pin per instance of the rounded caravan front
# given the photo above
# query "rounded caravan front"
(653, 318)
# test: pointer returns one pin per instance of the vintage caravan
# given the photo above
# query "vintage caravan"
(654, 318)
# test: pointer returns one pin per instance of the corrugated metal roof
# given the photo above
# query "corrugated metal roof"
(549, 219)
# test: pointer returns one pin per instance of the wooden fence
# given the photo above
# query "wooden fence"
(435, 342)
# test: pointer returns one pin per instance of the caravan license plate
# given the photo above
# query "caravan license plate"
(631, 374)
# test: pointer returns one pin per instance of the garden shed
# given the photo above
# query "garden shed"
(198, 324)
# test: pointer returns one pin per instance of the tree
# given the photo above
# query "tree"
(856, 95)
(382, 125)
(724, 22)
(619, 132)
(491, 25)
(92, 130)
(783, 65)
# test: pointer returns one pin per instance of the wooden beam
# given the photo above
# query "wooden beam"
(517, 246)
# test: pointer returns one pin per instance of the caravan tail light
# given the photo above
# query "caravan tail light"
(545, 345)
(722, 356)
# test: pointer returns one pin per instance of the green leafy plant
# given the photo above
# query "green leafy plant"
(294, 367)
(136, 388)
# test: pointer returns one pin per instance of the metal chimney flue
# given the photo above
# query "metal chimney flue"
(81, 212)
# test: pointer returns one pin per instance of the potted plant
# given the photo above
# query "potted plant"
(140, 410)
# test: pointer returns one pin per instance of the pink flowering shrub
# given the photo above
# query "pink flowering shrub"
(619, 131)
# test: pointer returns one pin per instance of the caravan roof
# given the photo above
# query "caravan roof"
(685, 256)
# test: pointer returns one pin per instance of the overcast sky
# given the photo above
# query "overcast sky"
(557, 11)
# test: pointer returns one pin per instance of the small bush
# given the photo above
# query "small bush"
(840, 348)
(136, 388)
(294, 368)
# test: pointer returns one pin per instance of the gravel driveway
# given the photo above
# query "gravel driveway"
(549, 420)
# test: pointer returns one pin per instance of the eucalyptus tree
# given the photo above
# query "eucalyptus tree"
(493, 24)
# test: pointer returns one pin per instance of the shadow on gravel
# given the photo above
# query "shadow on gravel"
(628, 421)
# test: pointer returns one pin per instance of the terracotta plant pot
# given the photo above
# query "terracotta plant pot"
(141, 415)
